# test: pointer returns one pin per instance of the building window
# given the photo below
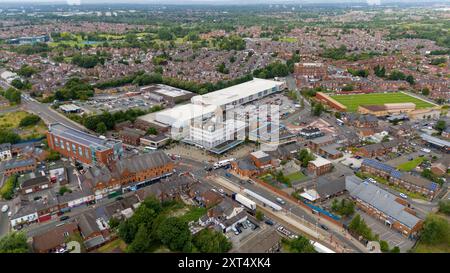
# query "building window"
(80, 151)
(62, 144)
(68, 146)
(74, 149)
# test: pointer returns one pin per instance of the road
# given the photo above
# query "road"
(196, 168)
(48, 115)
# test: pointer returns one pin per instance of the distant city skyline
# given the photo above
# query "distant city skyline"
(230, 2)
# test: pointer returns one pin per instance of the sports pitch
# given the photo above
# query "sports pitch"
(353, 101)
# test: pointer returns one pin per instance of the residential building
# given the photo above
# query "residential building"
(18, 166)
(55, 239)
(131, 136)
(319, 166)
(402, 179)
(32, 182)
(310, 133)
(5, 151)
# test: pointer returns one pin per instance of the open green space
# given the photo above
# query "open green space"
(410, 165)
(116, 245)
(295, 176)
(288, 39)
(353, 101)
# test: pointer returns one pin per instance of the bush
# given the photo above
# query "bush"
(7, 191)
(444, 206)
(29, 120)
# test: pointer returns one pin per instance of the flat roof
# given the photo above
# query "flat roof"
(182, 114)
(166, 90)
(236, 92)
(320, 161)
(435, 140)
(80, 137)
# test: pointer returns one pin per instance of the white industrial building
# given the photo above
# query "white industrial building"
(211, 134)
(203, 107)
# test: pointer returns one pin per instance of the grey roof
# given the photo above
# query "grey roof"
(81, 137)
(322, 139)
(143, 162)
(332, 149)
(87, 223)
(246, 164)
(34, 181)
(434, 140)
(380, 199)
(95, 241)
(5, 147)
(67, 197)
(327, 187)
(17, 163)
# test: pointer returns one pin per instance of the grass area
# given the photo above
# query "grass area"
(295, 176)
(110, 247)
(193, 214)
(413, 195)
(411, 165)
(288, 39)
(12, 120)
(353, 101)
(425, 248)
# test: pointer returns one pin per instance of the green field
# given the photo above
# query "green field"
(353, 101)
(410, 165)
(295, 176)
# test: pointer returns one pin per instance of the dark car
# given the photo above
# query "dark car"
(324, 227)
(64, 218)
(269, 222)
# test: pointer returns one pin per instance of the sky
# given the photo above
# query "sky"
(212, 1)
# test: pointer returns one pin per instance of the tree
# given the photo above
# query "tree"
(440, 125)
(152, 131)
(318, 109)
(301, 245)
(359, 226)
(53, 156)
(379, 71)
(8, 188)
(29, 120)
(8, 136)
(425, 91)
(395, 249)
(259, 215)
(304, 157)
(101, 128)
(63, 190)
(384, 246)
(142, 241)
(13, 95)
(435, 230)
(444, 206)
(210, 241)
(410, 79)
(174, 233)
(15, 242)
(26, 71)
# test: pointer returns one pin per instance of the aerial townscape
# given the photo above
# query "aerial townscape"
(234, 127)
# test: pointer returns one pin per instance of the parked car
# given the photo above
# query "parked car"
(280, 201)
(64, 218)
(324, 227)
(404, 196)
(269, 222)
(5, 208)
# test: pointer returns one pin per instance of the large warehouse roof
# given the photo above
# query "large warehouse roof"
(236, 92)
(183, 113)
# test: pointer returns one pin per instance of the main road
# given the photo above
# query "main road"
(47, 114)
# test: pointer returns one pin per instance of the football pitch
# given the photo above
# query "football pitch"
(353, 101)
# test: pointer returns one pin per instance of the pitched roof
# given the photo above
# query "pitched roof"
(380, 199)
(54, 237)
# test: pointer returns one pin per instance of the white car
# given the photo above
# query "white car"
(5, 208)
(402, 195)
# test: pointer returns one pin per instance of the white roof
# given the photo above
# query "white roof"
(236, 92)
(8, 74)
(69, 107)
(182, 114)
(310, 195)
(320, 161)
